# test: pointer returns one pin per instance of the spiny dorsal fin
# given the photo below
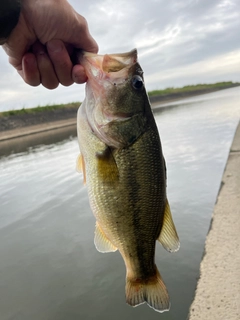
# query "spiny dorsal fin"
(102, 243)
(80, 166)
(168, 235)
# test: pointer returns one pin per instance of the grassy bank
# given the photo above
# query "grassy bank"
(39, 109)
(194, 88)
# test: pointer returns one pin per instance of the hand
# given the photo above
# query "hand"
(41, 45)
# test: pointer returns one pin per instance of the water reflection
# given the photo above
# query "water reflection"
(49, 267)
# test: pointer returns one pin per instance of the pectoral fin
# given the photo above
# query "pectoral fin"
(80, 166)
(168, 235)
(106, 166)
(102, 243)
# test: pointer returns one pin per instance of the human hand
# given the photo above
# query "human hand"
(41, 45)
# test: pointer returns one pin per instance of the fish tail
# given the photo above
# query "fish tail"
(152, 291)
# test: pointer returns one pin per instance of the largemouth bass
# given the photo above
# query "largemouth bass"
(125, 173)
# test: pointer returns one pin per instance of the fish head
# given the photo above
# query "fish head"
(115, 96)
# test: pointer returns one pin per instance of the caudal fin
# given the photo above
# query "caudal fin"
(152, 291)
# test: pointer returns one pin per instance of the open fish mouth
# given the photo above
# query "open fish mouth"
(111, 95)
(107, 63)
(109, 69)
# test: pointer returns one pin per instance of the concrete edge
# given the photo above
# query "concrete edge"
(206, 303)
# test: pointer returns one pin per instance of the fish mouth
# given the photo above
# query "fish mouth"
(109, 62)
(111, 68)
(107, 75)
(104, 72)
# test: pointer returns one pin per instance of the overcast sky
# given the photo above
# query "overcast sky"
(179, 42)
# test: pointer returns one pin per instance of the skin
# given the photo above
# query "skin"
(40, 46)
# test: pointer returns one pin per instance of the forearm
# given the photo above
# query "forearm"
(9, 15)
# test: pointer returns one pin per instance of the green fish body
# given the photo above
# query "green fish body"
(124, 170)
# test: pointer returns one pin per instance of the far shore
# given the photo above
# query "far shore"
(20, 125)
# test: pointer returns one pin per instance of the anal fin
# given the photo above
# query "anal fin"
(168, 236)
(102, 243)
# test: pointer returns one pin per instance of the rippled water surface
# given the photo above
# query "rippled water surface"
(49, 267)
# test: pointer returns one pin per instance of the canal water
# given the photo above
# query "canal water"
(49, 267)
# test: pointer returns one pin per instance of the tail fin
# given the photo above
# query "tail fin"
(152, 291)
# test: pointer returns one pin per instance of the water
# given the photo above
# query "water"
(49, 267)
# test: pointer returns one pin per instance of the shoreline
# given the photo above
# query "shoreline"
(49, 127)
(217, 295)
(17, 126)
(35, 129)
(53, 125)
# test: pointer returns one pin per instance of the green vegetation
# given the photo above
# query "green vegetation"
(164, 92)
(197, 87)
(39, 109)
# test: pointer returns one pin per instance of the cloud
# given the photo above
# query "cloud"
(205, 71)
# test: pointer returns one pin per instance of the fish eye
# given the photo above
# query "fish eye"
(137, 82)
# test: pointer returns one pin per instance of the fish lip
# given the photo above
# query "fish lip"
(117, 117)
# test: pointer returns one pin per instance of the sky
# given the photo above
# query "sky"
(179, 42)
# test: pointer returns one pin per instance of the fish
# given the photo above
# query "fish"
(125, 172)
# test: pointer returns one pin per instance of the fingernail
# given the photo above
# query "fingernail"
(55, 46)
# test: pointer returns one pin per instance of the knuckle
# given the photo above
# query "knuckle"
(84, 23)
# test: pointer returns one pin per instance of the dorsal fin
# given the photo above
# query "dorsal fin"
(102, 243)
(168, 235)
